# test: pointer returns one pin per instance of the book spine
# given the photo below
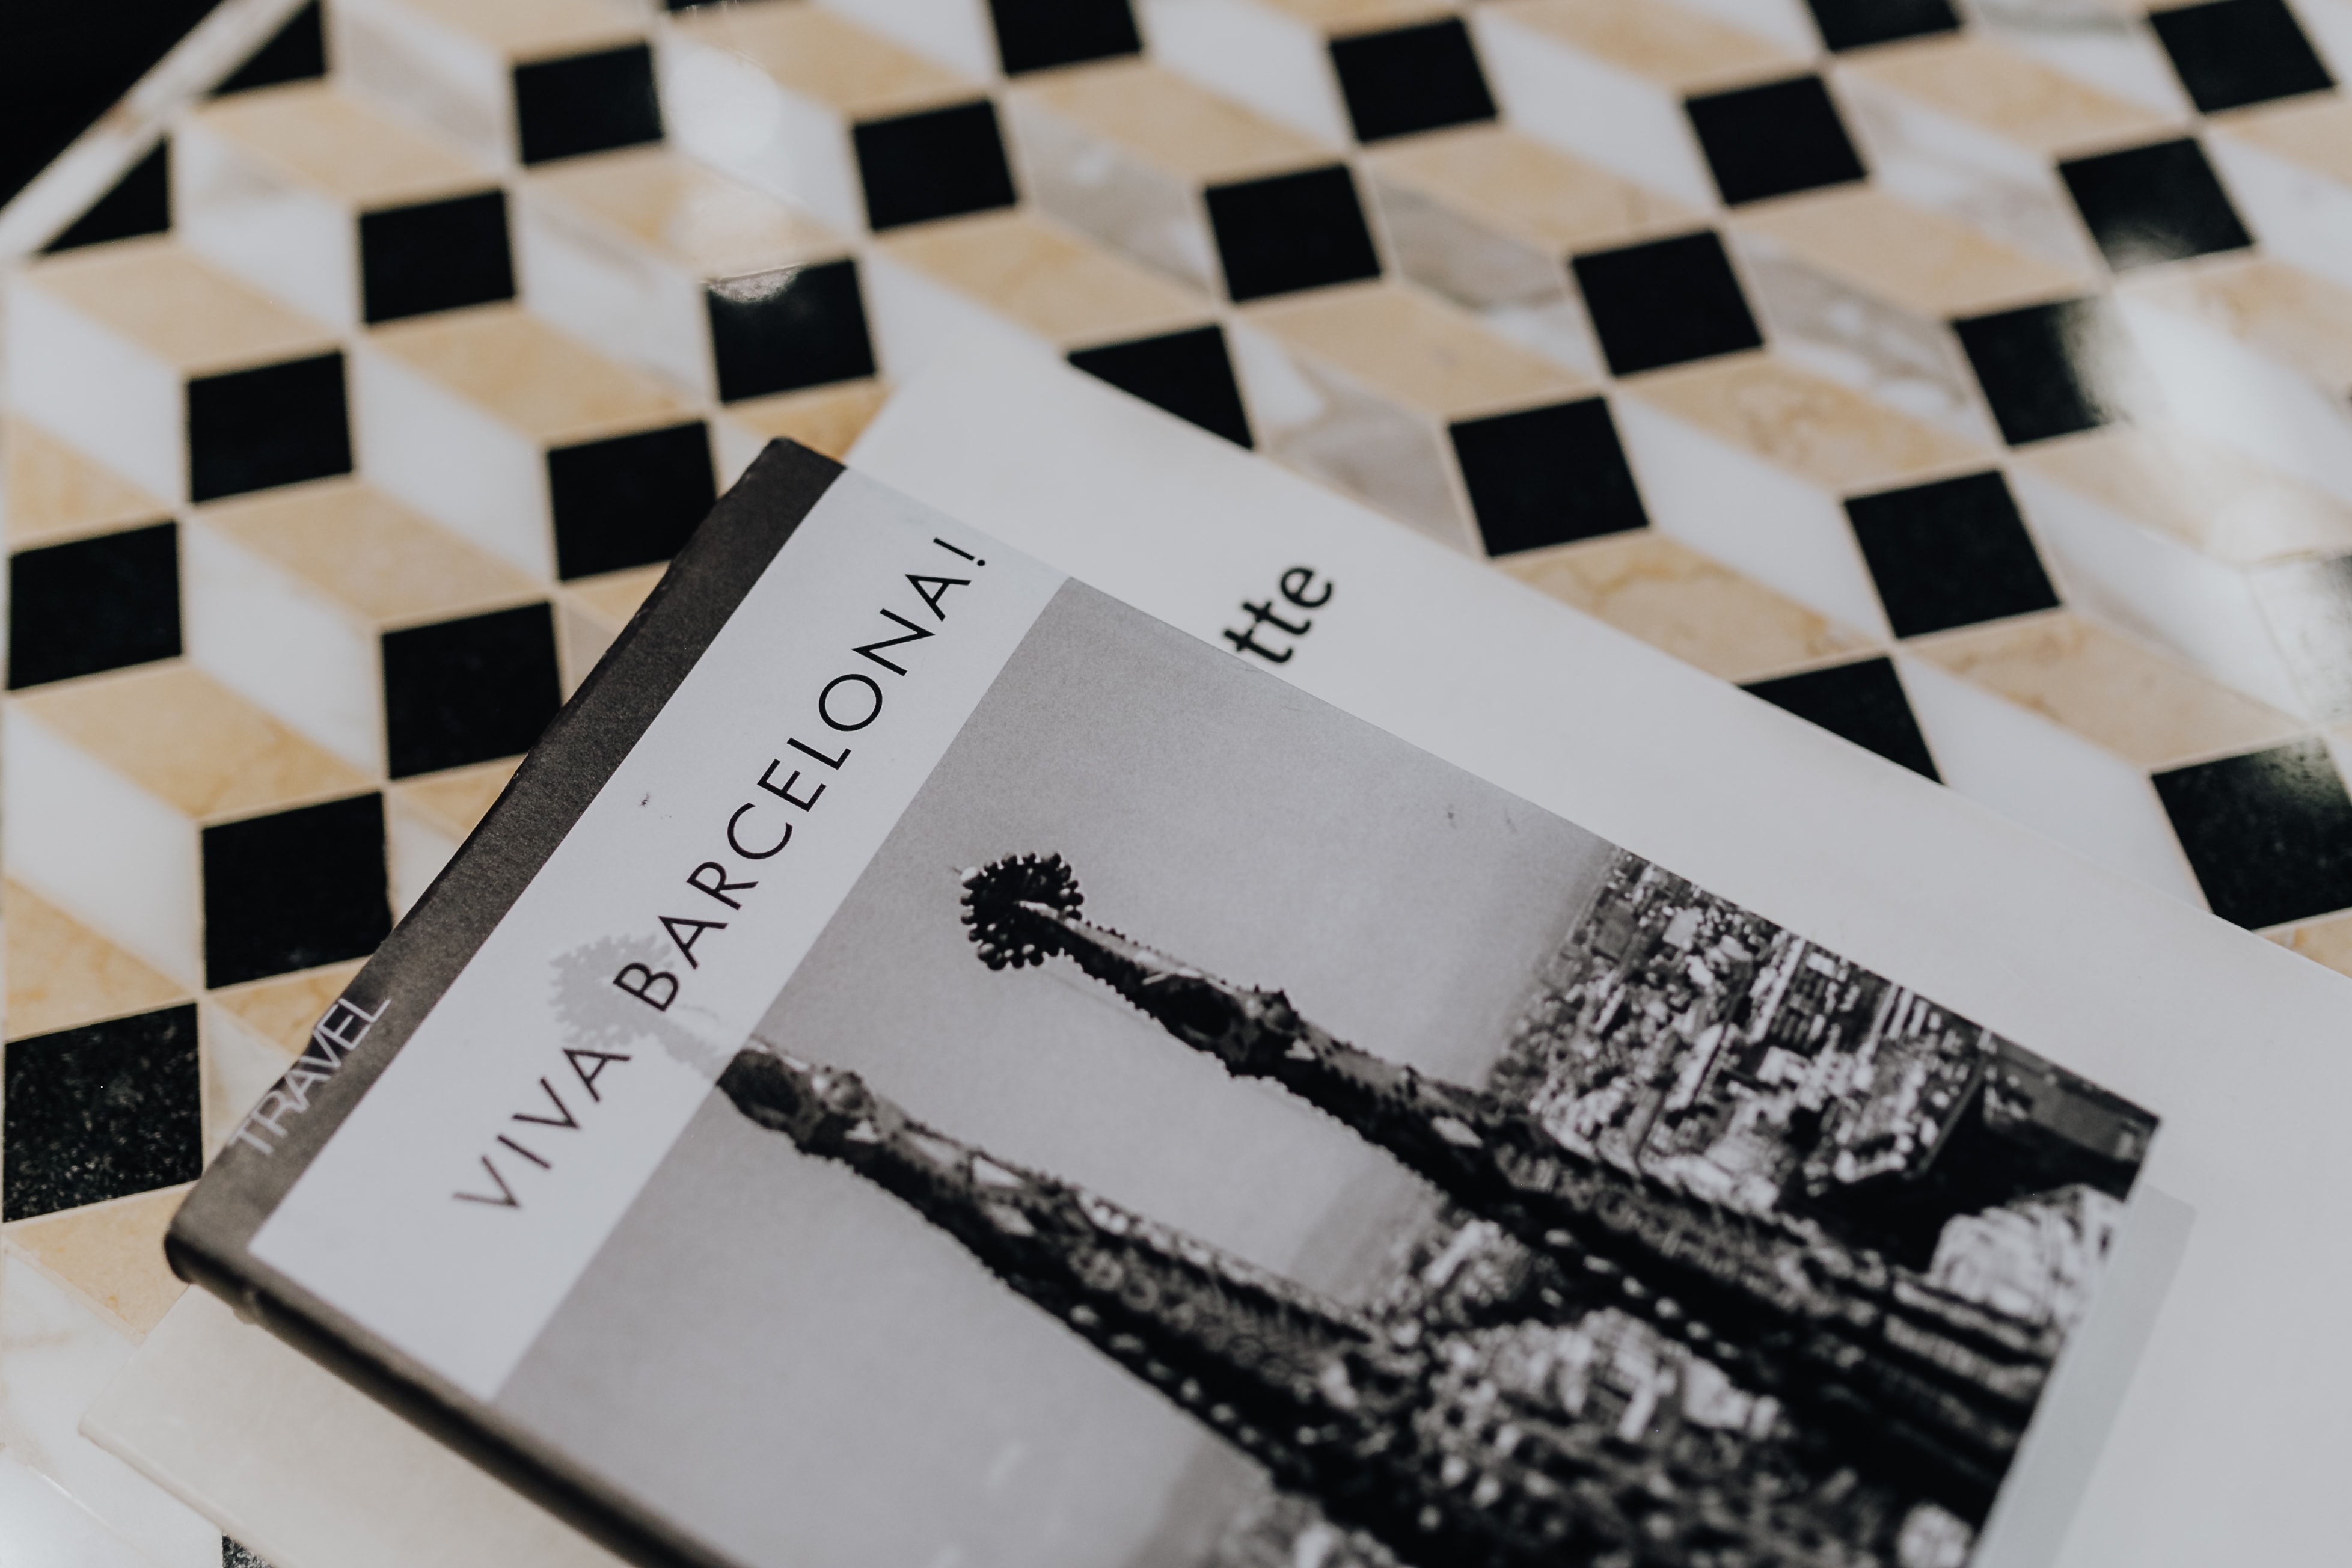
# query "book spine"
(208, 1243)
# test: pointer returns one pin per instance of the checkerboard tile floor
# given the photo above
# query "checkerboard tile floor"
(1967, 379)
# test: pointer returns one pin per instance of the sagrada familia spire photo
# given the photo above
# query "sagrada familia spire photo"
(1454, 1444)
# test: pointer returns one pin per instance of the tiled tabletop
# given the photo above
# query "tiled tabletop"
(1969, 381)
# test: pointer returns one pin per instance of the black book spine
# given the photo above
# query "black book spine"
(209, 1242)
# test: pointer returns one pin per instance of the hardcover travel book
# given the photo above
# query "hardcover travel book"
(927, 1063)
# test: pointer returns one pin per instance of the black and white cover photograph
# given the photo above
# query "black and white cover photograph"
(1212, 1134)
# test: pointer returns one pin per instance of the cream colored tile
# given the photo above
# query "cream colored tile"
(2302, 320)
(590, 615)
(352, 541)
(1174, 124)
(109, 1254)
(177, 308)
(2228, 505)
(191, 742)
(1977, 81)
(342, 145)
(1932, 264)
(1361, 16)
(2314, 131)
(528, 373)
(62, 975)
(612, 598)
(53, 493)
(2327, 941)
(1423, 354)
(583, 637)
(1046, 277)
(1835, 436)
(1682, 602)
(456, 800)
(2141, 705)
(1530, 191)
(1680, 49)
(241, 1067)
(813, 52)
(826, 419)
(701, 219)
(529, 30)
(282, 1008)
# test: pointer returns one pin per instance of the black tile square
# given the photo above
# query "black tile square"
(1291, 232)
(942, 163)
(434, 255)
(628, 501)
(63, 68)
(1545, 476)
(1855, 23)
(1950, 553)
(2049, 370)
(1188, 373)
(296, 52)
(102, 1112)
(1771, 139)
(2236, 52)
(236, 1553)
(1665, 303)
(781, 331)
(93, 603)
(466, 691)
(275, 425)
(1035, 35)
(2268, 834)
(2148, 204)
(1860, 702)
(294, 890)
(140, 203)
(586, 103)
(1411, 79)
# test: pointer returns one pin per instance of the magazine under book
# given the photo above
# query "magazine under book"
(929, 1064)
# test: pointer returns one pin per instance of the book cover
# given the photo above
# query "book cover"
(927, 1063)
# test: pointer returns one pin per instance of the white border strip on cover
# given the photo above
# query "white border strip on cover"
(118, 138)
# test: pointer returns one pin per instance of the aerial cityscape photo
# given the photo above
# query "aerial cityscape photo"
(1742, 1254)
